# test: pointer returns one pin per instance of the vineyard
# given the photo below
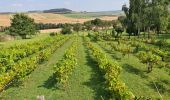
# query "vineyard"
(75, 67)
(85, 50)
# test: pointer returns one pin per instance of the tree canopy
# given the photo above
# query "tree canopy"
(147, 15)
(22, 25)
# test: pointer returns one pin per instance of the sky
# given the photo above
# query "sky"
(75, 5)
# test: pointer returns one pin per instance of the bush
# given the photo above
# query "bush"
(53, 34)
(66, 30)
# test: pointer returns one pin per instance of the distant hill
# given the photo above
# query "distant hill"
(7, 13)
(58, 11)
(35, 11)
(69, 11)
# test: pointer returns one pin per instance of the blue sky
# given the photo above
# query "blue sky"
(76, 5)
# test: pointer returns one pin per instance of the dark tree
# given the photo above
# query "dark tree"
(77, 27)
(66, 30)
(23, 26)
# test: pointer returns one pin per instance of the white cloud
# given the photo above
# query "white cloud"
(17, 5)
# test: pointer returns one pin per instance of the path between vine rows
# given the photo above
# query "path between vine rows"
(85, 83)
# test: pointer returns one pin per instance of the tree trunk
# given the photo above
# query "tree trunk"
(138, 32)
(149, 67)
(144, 32)
(24, 36)
(158, 32)
(163, 59)
(149, 33)
(129, 35)
(118, 42)
(137, 49)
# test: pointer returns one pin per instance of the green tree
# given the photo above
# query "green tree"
(66, 30)
(169, 24)
(77, 27)
(88, 25)
(134, 16)
(123, 21)
(128, 20)
(160, 15)
(147, 15)
(97, 22)
(22, 25)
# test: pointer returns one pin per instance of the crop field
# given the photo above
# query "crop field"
(78, 65)
(50, 30)
(52, 18)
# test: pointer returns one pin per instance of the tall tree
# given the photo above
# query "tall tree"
(160, 15)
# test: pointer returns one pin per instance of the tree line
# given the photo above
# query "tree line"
(24, 26)
(146, 16)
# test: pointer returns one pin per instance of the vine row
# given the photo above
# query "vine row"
(111, 70)
(26, 65)
(64, 68)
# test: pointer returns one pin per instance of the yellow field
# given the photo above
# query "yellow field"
(49, 18)
(50, 30)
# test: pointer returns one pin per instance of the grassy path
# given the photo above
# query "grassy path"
(38, 83)
(86, 82)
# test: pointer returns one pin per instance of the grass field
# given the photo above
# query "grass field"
(21, 41)
(50, 30)
(86, 81)
(88, 15)
(1, 33)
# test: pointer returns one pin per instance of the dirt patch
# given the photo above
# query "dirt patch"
(109, 18)
(6, 37)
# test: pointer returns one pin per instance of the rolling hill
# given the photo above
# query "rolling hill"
(51, 18)
(62, 15)
(58, 11)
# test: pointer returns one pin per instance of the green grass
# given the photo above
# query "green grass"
(93, 14)
(1, 33)
(81, 15)
(86, 82)
(137, 79)
(165, 36)
(22, 41)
